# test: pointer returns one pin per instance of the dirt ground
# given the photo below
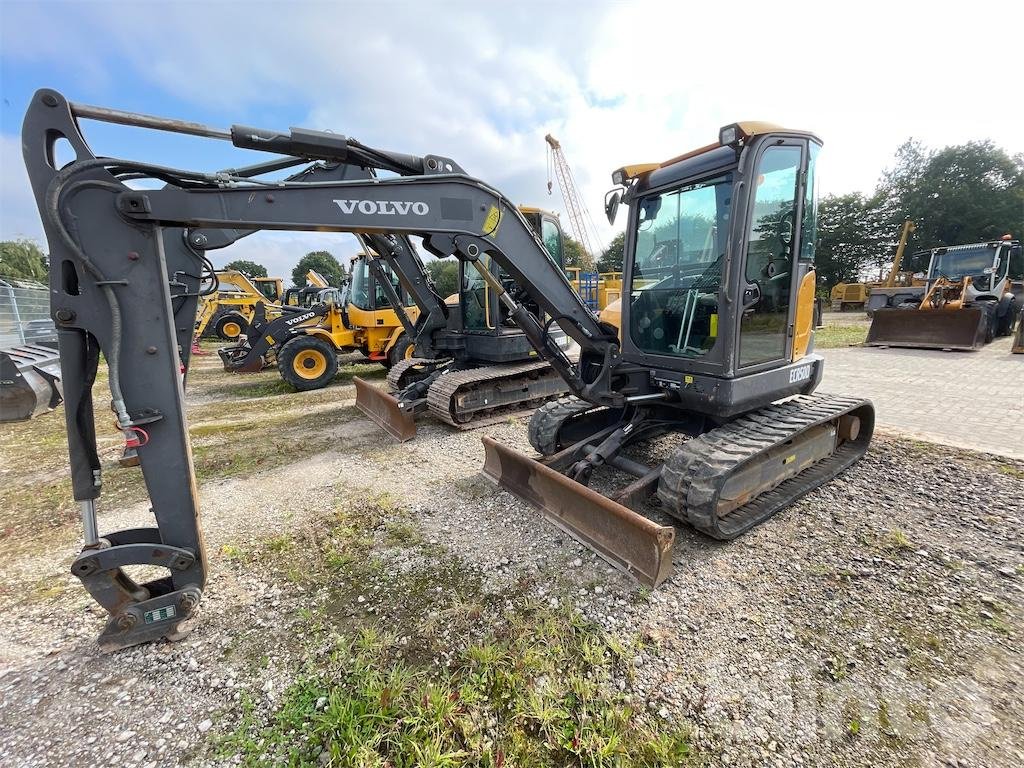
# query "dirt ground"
(876, 622)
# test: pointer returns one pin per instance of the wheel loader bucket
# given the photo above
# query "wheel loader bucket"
(627, 540)
(383, 409)
(928, 328)
(29, 381)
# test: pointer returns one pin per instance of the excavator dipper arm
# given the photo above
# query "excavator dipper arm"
(126, 267)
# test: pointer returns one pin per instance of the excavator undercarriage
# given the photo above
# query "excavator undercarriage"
(715, 343)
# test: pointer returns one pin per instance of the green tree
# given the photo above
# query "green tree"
(573, 254)
(445, 274)
(322, 262)
(611, 258)
(960, 194)
(852, 238)
(23, 260)
(248, 268)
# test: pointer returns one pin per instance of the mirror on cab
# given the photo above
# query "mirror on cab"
(611, 204)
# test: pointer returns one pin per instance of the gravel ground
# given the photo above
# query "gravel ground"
(876, 622)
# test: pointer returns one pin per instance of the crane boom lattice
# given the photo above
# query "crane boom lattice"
(579, 216)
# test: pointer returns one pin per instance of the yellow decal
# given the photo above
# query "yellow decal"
(270, 341)
(491, 222)
(789, 459)
(714, 325)
(688, 379)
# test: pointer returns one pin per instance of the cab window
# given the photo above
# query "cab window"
(551, 234)
(677, 270)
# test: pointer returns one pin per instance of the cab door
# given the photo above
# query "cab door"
(770, 264)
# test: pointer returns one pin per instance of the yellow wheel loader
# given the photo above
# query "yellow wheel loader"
(972, 296)
(315, 327)
(229, 310)
(716, 353)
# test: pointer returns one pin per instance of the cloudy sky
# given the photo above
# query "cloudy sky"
(484, 82)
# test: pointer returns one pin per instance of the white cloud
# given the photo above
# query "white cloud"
(618, 83)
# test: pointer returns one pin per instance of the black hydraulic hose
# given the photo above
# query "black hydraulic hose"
(54, 194)
(53, 197)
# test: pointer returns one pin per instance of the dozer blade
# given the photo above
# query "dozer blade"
(29, 381)
(928, 328)
(627, 540)
(383, 409)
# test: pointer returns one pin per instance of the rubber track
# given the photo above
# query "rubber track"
(395, 383)
(547, 422)
(441, 395)
(695, 474)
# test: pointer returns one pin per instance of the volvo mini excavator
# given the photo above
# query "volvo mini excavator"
(717, 334)
(476, 368)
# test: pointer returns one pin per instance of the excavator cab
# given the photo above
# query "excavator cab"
(683, 281)
(491, 334)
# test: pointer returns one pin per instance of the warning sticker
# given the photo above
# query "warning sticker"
(492, 222)
(160, 614)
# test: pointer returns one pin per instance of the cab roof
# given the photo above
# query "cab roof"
(746, 130)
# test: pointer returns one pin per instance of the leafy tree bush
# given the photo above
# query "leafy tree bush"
(322, 262)
(23, 260)
(248, 268)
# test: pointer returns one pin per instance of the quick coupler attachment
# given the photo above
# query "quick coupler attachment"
(140, 613)
(232, 358)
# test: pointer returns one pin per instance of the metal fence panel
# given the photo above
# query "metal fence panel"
(24, 313)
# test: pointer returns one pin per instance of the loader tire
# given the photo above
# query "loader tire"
(231, 326)
(990, 327)
(307, 363)
(1005, 323)
(404, 349)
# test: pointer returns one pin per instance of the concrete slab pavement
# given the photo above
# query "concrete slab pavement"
(971, 400)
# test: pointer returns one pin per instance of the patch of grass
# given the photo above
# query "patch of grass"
(474, 487)
(918, 713)
(400, 532)
(535, 694)
(832, 336)
(432, 671)
(232, 552)
(884, 721)
(280, 543)
(999, 625)
(893, 541)
(896, 541)
(1011, 470)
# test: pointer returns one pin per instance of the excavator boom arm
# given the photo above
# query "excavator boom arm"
(124, 281)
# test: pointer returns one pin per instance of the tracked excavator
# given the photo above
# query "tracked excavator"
(717, 341)
(480, 365)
